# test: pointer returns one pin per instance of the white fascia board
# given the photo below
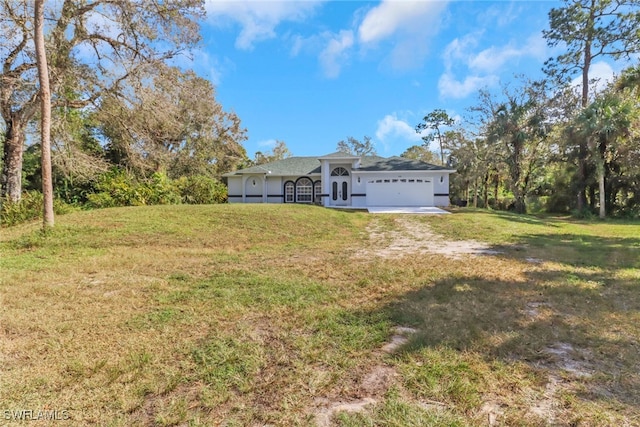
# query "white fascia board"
(403, 171)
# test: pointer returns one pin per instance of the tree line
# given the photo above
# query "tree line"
(552, 144)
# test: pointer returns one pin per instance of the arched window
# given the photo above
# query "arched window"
(317, 190)
(289, 191)
(304, 190)
(339, 171)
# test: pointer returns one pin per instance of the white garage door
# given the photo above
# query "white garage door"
(400, 192)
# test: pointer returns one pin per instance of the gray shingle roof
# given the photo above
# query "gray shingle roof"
(300, 166)
(381, 164)
(297, 166)
(339, 154)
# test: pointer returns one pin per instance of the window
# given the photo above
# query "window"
(288, 192)
(334, 191)
(344, 190)
(340, 171)
(317, 190)
(304, 190)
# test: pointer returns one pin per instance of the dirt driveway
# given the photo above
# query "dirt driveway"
(410, 236)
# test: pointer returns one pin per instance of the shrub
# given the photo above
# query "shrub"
(200, 189)
(29, 208)
(118, 188)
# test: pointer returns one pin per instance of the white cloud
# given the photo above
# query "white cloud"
(600, 75)
(483, 68)
(390, 17)
(449, 87)
(392, 127)
(457, 50)
(494, 58)
(335, 53)
(258, 19)
(269, 143)
(409, 23)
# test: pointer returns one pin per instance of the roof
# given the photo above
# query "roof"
(290, 166)
(339, 155)
(300, 166)
(382, 164)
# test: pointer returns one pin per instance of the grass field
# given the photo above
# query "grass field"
(253, 315)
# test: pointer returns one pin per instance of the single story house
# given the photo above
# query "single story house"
(342, 180)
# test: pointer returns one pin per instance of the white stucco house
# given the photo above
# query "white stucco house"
(342, 180)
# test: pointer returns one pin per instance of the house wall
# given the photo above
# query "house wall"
(358, 190)
(254, 188)
(275, 189)
(441, 189)
(234, 185)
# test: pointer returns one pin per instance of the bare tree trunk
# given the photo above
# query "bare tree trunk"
(12, 161)
(486, 190)
(600, 172)
(45, 108)
(603, 211)
(495, 194)
(466, 193)
(475, 193)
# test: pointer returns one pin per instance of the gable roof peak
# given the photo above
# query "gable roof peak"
(339, 155)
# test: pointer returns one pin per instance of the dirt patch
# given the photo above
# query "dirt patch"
(569, 359)
(415, 237)
(371, 387)
(547, 405)
(399, 338)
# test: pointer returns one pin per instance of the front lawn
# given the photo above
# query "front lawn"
(279, 315)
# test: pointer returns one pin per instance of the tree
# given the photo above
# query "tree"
(171, 121)
(629, 80)
(45, 111)
(602, 123)
(420, 152)
(94, 46)
(517, 125)
(357, 148)
(435, 120)
(590, 29)
(278, 152)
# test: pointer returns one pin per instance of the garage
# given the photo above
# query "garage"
(400, 192)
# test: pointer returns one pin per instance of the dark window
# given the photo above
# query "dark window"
(344, 190)
(334, 192)
(317, 190)
(289, 192)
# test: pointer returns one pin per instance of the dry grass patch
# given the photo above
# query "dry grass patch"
(266, 315)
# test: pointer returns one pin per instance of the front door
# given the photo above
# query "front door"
(340, 191)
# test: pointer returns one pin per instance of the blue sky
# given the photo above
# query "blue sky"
(311, 73)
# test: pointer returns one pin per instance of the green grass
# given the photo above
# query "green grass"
(265, 314)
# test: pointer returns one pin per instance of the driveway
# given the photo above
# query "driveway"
(406, 210)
